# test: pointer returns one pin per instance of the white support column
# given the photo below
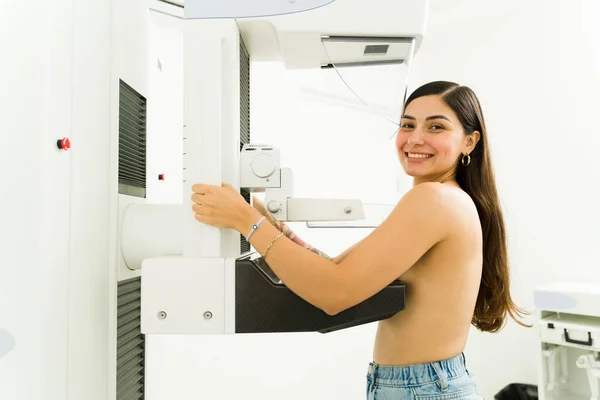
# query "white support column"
(211, 125)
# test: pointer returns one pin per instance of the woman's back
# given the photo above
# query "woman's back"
(441, 292)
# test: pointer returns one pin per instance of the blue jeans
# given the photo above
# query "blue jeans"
(441, 380)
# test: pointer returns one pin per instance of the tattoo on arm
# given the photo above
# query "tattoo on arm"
(294, 238)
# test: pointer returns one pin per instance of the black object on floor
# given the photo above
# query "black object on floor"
(518, 391)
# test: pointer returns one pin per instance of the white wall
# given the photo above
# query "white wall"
(54, 75)
(534, 67)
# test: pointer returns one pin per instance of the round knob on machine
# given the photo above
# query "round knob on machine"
(273, 206)
(263, 165)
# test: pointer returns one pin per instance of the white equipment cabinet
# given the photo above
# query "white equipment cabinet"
(569, 327)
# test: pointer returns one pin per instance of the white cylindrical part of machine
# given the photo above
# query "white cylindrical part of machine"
(151, 230)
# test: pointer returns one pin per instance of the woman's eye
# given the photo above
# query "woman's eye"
(436, 127)
(407, 126)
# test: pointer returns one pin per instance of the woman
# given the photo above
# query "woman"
(445, 239)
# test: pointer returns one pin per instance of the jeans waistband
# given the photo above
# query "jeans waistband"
(418, 374)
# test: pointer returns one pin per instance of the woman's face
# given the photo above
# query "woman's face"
(431, 140)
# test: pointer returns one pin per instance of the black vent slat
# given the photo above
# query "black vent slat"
(132, 156)
(132, 141)
(133, 138)
(244, 120)
(130, 341)
(129, 346)
(132, 175)
(130, 316)
(125, 308)
(132, 109)
(126, 337)
(132, 182)
(130, 148)
(128, 364)
(130, 326)
(132, 161)
(133, 185)
(131, 391)
(134, 374)
(129, 286)
(132, 103)
(133, 97)
(132, 127)
(131, 151)
(128, 297)
(131, 169)
(130, 120)
(136, 352)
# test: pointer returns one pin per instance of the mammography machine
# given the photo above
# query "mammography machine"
(91, 265)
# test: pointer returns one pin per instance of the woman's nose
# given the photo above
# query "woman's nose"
(416, 137)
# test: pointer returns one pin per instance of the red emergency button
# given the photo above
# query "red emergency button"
(63, 144)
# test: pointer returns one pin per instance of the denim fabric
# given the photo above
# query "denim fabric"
(440, 380)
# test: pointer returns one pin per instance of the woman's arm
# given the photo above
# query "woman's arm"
(422, 219)
(338, 259)
(283, 227)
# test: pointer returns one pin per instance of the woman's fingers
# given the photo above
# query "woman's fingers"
(200, 188)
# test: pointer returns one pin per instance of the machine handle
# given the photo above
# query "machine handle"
(589, 342)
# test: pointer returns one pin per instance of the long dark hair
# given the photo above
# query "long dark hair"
(477, 179)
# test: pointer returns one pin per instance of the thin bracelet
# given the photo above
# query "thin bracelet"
(254, 227)
(271, 244)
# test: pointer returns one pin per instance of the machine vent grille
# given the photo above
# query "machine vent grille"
(132, 142)
(244, 119)
(244, 95)
(244, 244)
(130, 341)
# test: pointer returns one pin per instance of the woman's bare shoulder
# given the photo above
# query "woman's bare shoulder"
(451, 198)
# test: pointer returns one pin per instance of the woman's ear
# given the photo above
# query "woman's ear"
(471, 141)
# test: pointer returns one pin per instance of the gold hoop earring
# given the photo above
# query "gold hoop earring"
(468, 160)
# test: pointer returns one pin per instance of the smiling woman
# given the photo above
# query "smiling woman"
(445, 240)
(444, 121)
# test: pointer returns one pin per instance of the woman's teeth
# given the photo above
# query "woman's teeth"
(413, 155)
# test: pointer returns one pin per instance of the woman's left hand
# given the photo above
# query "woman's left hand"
(220, 206)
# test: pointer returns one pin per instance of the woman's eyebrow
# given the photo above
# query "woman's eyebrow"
(438, 117)
(428, 118)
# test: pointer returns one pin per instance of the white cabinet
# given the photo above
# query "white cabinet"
(569, 328)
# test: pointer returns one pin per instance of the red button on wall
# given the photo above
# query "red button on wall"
(63, 144)
(161, 177)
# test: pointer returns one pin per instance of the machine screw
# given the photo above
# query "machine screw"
(162, 315)
(348, 210)
(207, 315)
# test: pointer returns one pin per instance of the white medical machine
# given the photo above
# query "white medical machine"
(90, 266)
(569, 328)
